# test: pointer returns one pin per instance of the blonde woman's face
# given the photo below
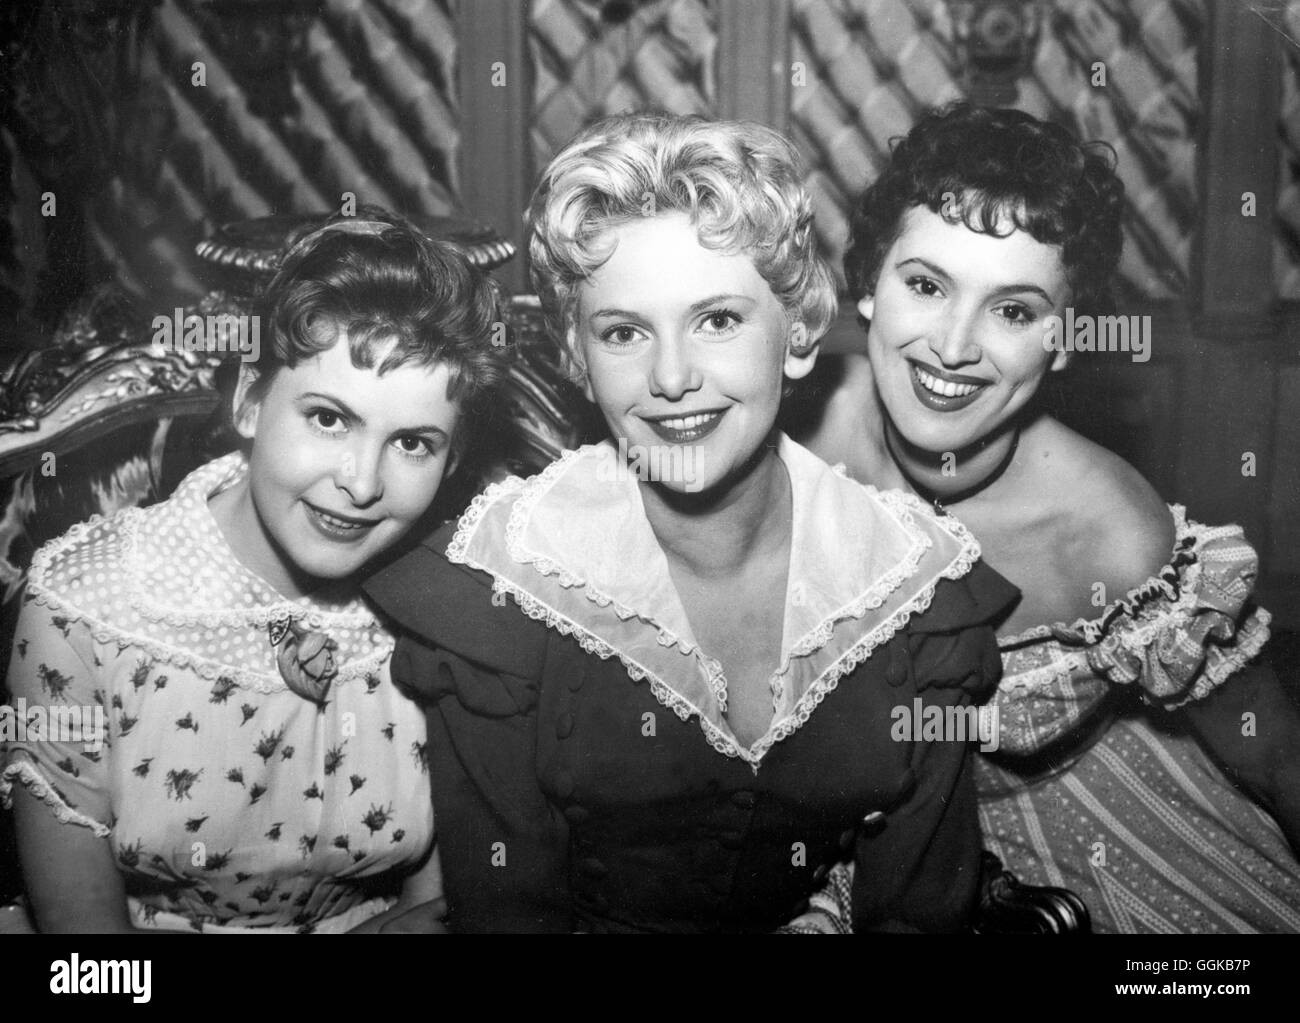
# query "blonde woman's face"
(685, 348)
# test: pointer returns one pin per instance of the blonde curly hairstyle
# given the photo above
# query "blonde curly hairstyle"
(739, 182)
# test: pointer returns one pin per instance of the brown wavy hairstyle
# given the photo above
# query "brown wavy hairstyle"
(392, 290)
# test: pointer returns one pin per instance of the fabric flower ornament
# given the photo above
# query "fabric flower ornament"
(306, 659)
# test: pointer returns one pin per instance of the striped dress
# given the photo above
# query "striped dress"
(1132, 816)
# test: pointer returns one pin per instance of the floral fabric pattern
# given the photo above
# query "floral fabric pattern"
(242, 782)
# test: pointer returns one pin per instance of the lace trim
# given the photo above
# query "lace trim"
(126, 524)
(521, 512)
(902, 506)
(24, 771)
(1044, 675)
(1252, 637)
(207, 668)
(668, 697)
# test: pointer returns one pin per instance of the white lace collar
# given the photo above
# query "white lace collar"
(164, 578)
(575, 550)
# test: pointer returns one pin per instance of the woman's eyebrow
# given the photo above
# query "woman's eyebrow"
(716, 300)
(1011, 289)
(934, 268)
(623, 314)
(1005, 289)
(696, 307)
(430, 428)
(342, 405)
(360, 420)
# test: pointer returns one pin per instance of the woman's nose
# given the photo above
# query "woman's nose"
(359, 475)
(954, 339)
(673, 373)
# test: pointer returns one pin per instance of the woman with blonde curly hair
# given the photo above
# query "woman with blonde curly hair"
(660, 675)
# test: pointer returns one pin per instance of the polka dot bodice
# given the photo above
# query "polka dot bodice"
(228, 798)
(165, 577)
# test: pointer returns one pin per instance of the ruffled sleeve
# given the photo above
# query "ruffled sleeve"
(476, 662)
(60, 741)
(1177, 637)
(1185, 631)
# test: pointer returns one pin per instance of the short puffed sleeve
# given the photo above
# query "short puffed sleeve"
(1175, 638)
(1190, 627)
(56, 739)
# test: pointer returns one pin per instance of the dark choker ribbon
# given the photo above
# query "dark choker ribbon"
(942, 504)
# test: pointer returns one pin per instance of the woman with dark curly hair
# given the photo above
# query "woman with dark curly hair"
(986, 233)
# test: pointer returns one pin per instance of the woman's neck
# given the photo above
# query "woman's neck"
(255, 549)
(714, 533)
(952, 476)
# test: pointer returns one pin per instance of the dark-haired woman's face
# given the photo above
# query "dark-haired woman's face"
(957, 327)
(343, 462)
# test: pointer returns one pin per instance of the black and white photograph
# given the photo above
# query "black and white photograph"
(652, 466)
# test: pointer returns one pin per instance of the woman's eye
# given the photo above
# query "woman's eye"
(623, 334)
(417, 447)
(326, 420)
(720, 320)
(923, 286)
(1017, 314)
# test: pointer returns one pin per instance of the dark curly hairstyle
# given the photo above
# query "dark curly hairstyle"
(998, 164)
(381, 280)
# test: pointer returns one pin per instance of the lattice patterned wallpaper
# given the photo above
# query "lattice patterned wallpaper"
(371, 110)
(586, 67)
(874, 65)
(375, 112)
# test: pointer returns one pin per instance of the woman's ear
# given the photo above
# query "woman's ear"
(800, 352)
(245, 405)
(867, 306)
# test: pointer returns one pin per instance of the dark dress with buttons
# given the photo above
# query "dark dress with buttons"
(568, 798)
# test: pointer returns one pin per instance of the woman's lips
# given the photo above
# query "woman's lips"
(687, 429)
(337, 528)
(944, 393)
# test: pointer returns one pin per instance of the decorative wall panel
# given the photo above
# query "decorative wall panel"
(591, 59)
(872, 66)
(289, 106)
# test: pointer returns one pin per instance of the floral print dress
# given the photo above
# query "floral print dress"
(257, 768)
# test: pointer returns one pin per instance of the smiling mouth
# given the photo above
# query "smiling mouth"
(686, 429)
(339, 527)
(946, 393)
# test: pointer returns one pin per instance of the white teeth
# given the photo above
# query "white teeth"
(689, 422)
(944, 388)
(339, 523)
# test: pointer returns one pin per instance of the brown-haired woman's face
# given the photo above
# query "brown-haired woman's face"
(957, 326)
(343, 462)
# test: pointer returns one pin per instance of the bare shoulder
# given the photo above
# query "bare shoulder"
(1120, 526)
